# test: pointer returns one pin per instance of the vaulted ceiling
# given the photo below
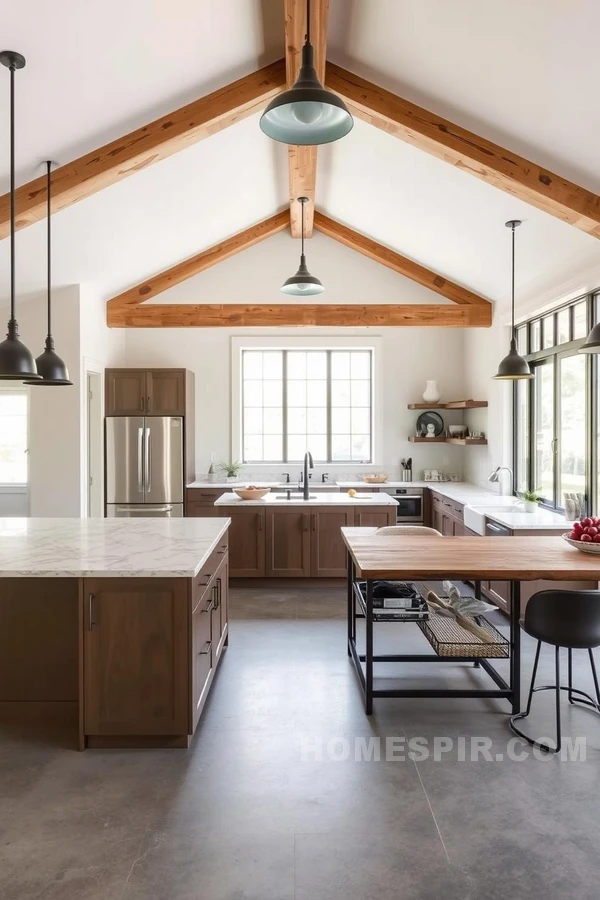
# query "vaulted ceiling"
(95, 73)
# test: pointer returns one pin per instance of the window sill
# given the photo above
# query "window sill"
(13, 488)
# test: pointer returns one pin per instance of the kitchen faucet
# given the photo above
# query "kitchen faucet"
(495, 478)
(308, 461)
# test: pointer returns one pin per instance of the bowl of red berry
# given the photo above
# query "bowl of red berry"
(585, 535)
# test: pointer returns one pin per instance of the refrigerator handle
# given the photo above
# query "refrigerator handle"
(147, 463)
(139, 461)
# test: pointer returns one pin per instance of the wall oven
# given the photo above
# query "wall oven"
(409, 510)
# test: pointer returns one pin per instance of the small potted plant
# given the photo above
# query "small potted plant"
(231, 469)
(531, 500)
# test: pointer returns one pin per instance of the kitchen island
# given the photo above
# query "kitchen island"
(277, 537)
(121, 622)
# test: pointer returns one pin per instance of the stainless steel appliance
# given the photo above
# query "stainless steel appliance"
(144, 466)
(409, 510)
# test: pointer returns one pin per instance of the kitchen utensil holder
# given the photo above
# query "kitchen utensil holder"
(406, 474)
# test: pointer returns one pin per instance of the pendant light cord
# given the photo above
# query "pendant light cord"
(12, 194)
(302, 235)
(49, 246)
(512, 305)
(308, 21)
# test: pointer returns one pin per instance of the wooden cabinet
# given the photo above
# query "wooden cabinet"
(125, 392)
(201, 501)
(246, 541)
(135, 656)
(375, 516)
(498, 592)
(327, 549)
(165, 392)
(153, 392)
(288, 541)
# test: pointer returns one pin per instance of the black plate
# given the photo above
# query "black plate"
(430, 418)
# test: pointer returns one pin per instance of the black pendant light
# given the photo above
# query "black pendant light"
(50, 366)
(307, 113)
(302, 284)
(16, 362)
(513, 367)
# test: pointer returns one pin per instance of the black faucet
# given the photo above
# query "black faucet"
(308, 461)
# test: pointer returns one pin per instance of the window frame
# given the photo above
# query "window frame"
(371, 344)
(18, 487)
(553, 356)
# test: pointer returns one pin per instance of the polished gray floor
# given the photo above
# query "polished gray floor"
(270, 803)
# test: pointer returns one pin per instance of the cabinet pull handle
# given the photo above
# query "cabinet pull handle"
(215, 593)
(207, 649)
(219, 590)
(91, 622)
(260, 522)
(142, 404)
(148, 404)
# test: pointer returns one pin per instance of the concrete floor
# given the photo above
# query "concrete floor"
(251, 813)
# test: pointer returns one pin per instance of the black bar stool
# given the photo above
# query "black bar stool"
(568, 619)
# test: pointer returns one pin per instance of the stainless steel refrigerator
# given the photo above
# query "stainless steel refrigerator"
(144, 466)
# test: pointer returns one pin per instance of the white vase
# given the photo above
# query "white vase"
(431, 393)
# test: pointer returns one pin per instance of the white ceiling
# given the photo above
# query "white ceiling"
(525, 78)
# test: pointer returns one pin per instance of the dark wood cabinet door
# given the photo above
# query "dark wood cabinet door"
(202, 657)
(499, 593)
(375, 516)
(165, 392)
(327, 549)
(125, 392)
(136, 656)
(246, 541)
(288, 542)
(194, 508)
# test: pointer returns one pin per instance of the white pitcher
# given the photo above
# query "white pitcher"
(431, 393)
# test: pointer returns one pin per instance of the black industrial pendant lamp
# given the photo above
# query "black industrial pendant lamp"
(513, 367)
(16, 362)
(50, 366)
(302, 284)
(307, 113)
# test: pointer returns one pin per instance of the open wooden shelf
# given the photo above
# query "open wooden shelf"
(462, 442)
(452, 404)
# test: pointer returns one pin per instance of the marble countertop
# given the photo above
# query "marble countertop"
(107, 548)
(334, 499)
(241, 482)
(386, 484)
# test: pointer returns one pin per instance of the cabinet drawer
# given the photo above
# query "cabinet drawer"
(201, 659)
(455, 509)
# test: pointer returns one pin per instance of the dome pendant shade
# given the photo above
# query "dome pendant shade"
(16, 362)
(302, 284)
(513, 367)
(592, 342)
(51, 369)
(306, 114)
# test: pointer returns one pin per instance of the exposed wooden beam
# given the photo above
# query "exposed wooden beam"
(148, 289)
(184, 315)
(469, 152)
(302, 161)
(398, 263)
(149, 144)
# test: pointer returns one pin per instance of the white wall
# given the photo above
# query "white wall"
(410, 355)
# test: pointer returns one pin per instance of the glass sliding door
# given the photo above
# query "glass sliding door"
(571, 425)
(522, 406)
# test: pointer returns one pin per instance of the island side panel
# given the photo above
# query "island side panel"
(39, 643)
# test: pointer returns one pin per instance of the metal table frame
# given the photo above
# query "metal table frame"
(510, 690)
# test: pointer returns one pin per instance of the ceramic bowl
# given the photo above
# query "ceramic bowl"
(251, 493)
(457, 430)
(584, 546)
(375, 479)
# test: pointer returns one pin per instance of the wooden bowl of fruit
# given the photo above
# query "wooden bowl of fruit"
(585, 535)
(251, 492)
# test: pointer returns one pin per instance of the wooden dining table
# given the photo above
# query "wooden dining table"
(391, 557)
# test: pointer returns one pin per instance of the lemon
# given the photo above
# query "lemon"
(352, 492)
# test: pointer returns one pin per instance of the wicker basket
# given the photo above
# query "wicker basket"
(448, 638)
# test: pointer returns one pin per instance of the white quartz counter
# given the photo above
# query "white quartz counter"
(386, 484)
(241, 482)
(320, 500)
(107, 548)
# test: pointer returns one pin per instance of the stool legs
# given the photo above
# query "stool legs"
(574, 695)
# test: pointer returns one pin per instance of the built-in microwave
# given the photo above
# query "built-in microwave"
(410, 504)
